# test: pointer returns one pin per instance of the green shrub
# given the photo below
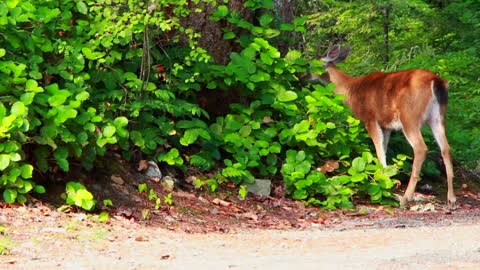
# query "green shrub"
(81, 76)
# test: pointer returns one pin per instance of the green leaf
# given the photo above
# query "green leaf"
(262, 144)
(266, 19)
(64, 113)
(82, 96)
(260, 76)
(61, 152)
(120, 121)
(18, 108)
(12, 3)
(108, 131)
(59, 98)
(300, 156)
(2, 52)
(103, 217)
(287, 96)
(367, 156)
(229, 35)
(293, 56)
(189, 137)
(39, 189)
(9, 195)
(245, 131)
(302, 184)
(221, 11)
(300, 194)
(287, 27)
(302, 127)
(142, 187)
(82, 7)
(21, 198)
(358, 177)
(26, 171)
(137, 138)
(266, 58)
(27, 187)
(27, 98)
(358, 164)
(4, 161)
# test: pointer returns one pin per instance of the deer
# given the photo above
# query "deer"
(396, 101)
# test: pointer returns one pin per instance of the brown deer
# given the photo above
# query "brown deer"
(402, 100)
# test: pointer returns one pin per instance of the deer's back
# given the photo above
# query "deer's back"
(388, 98)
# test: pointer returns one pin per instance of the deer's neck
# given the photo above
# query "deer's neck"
(341, 80)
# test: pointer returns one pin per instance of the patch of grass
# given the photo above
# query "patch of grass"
(5, 242)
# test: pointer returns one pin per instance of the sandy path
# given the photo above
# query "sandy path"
(75, 246)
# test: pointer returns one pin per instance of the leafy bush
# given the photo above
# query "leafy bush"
(85, 77)
(77, 194)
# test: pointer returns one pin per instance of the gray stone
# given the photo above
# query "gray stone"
(168, 183)
(260, 187)
(153, 171)
(190, 179)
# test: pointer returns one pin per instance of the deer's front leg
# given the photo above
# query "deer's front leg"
(379, 141)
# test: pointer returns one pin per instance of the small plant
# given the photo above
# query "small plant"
(242, 192)
(77, 194)
(152, 196)
(142, 187)
(107, 202)
(103, 217)
(5, 242)
(168, 199)
(212, 183)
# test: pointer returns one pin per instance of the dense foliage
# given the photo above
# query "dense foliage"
(81, 78)
(442, 36)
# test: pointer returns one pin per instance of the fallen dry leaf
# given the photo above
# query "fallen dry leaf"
(155, 179)
(218, 201)
(267, 120)
(117, 179)
(141, 238)
(329, 166)
(142, 165)
(248, 215)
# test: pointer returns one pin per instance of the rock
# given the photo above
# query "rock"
(260, 187)
(153, 172)
(190, 179)
(96, 187)
(168, 183)
(117, 179)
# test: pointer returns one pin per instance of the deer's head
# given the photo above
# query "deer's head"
(335, 54)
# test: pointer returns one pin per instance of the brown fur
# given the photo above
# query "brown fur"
(397, 100)
(381, 96)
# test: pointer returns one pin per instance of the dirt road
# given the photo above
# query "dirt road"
(52, 242)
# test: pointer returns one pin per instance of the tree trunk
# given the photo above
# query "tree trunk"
(285, 10)
(386, 14)
(211, 31)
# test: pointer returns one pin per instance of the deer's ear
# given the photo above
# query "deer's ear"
(334, 52)
(343, 54)
(331, 54)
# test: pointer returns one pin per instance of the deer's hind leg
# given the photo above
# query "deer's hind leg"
(437, 124)
(415, 138)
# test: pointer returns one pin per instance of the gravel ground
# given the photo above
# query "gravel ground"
(38, 239)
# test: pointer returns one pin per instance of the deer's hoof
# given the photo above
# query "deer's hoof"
(451, 201)
(403, 200)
